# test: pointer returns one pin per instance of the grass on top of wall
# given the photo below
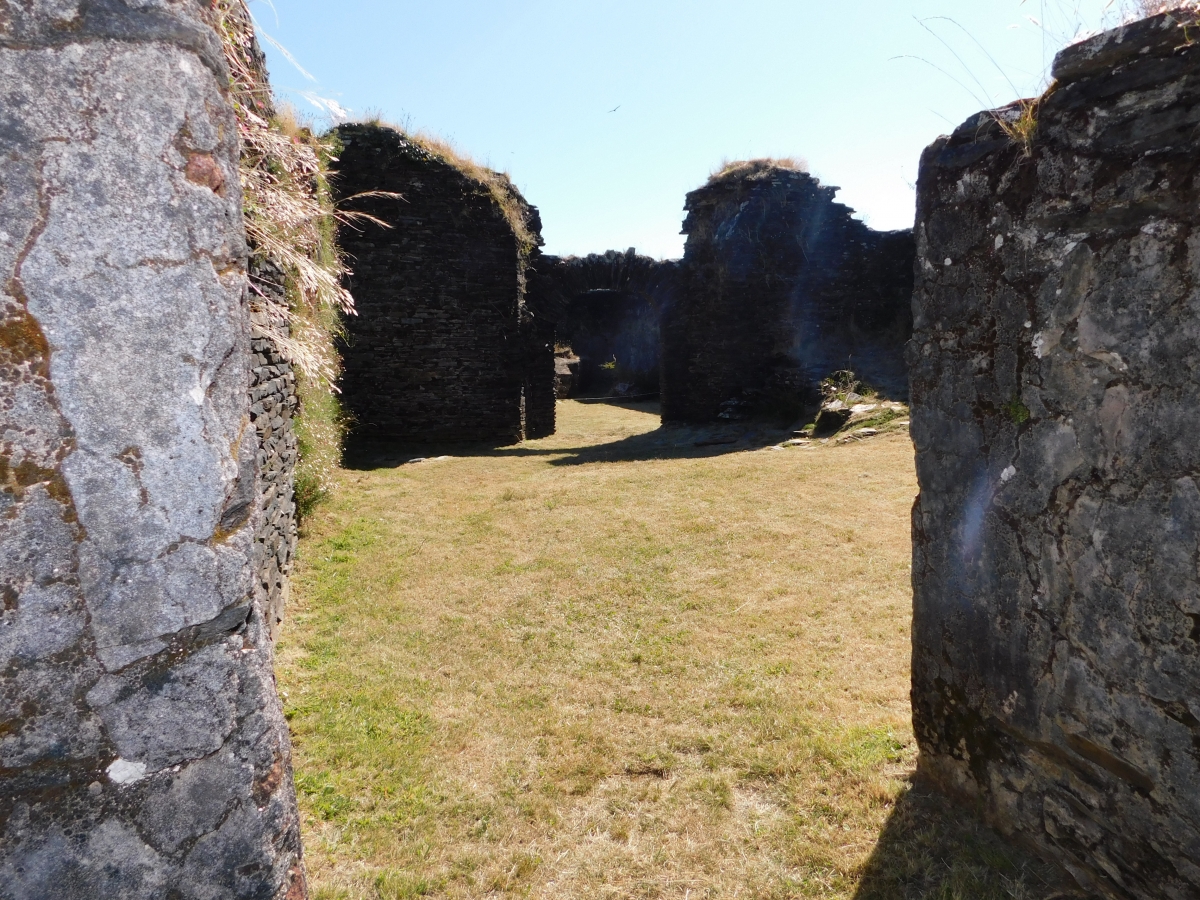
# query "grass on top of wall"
(614, 664)
(498, 185)
(733, 170)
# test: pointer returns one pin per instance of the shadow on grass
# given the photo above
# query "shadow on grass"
(931, 849)
(664, 442)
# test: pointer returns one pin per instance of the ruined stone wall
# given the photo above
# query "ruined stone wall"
(607, 308)
(273, 405)
(143, 752)
(1056, 639)
(443, 347)
(780, 286)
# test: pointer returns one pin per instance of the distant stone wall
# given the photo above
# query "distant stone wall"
(607, 308)
(444, 347)
(780, 286)
(1056, 403)
(143, 752)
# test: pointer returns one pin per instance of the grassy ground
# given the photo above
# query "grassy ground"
(613, 664)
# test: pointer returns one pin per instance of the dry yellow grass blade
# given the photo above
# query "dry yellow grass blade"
(613, 664)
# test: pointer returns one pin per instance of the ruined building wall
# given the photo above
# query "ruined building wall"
(143, 752)
(780, 286)
(607, 308)
(444, 347)
(1056, 639)
(273, 406)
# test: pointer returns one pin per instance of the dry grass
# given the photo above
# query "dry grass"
(1019, 122)
(610, 664)
(288, 211)
(756, 168)
(498, 184)
(1144, 8)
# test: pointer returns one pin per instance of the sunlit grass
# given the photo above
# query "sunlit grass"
(540, 673)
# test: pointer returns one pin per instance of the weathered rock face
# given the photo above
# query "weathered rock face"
(143, 753)
(444, 347)
(607, 308)
(1056, 641)
(780, 286)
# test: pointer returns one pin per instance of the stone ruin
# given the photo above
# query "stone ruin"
(606, 308)
(143, 751)
(779, 287)
(444, 347)
(1056, 404)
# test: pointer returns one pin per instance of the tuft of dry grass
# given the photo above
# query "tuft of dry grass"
(498, 184)
(287, 205)
(1145, 8)
(756, 168)
(612, 664)
(1019, 121)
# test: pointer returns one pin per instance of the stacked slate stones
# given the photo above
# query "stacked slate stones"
(273, 406)
(444, 347)
(608, 308)
(780, 286)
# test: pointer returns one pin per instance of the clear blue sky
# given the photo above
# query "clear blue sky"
(527, 86)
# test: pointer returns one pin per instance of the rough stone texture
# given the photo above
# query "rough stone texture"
(444, 346)
(273, 404)
(143, 752)
(780, 286)
(607, 308)
(1056, 639)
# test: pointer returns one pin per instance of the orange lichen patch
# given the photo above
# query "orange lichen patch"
(204, 170)
(268, 783)
(17, 479)
(299, 886)
(21, 338)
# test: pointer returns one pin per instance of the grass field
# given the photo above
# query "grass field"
(614, 664)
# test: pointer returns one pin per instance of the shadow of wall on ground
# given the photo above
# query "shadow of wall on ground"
(664, 442)
(930, 848)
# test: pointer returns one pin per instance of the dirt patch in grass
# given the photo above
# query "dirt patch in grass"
(613, 664)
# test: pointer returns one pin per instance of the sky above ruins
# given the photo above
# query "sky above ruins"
(607, 112)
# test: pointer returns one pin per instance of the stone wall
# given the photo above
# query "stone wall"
(607, 308)
(1056, 639)
(143, 752)
(444, 347)
(273, 405)
(780, 286)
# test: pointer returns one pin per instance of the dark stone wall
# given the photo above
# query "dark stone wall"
(1056, 403)
(273, 405)
(444, 347)
(607, 308)
(143, 750)
(779, 287)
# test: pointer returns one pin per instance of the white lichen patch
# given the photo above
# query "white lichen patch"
(125, 772)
